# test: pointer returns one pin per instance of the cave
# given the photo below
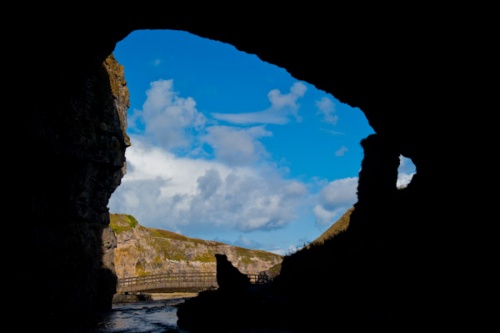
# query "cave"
(407, 252)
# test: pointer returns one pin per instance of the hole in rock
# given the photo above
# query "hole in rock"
(229, 148)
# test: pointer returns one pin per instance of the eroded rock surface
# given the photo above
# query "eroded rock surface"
(143, 251)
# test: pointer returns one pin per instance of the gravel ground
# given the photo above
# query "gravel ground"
(158, 296)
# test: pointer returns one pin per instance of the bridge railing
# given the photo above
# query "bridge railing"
(260, 278)
(179, 281)
(168, 280)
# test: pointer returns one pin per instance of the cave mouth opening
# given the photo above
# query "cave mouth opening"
(227, 147)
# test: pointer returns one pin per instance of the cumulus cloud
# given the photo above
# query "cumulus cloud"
(279, 100)
(180, 194)
(283, 107)
(326, 108)
(168, 118)
(236, 146)
(335, 199)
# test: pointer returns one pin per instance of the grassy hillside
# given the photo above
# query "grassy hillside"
(336, 228)
(157, 246)
(340, 225)
(143, 251)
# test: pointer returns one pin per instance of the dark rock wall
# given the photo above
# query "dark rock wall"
(80, 155)
(407, 72)
(371, 273)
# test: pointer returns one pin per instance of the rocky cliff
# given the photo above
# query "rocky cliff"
(67, 236)
(143, 251)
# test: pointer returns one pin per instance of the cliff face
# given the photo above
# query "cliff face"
(71, 246)
(143, 251)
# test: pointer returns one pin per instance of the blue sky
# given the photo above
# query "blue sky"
(229, 148)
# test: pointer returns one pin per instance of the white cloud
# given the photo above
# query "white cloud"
(237, 146)
(326, 108)
(180, 194)
(283, 106)
(341, 151)
(168, 118)
(278, 100)
(406, 171)
(404, 180)
(335, 199)
(261, 117)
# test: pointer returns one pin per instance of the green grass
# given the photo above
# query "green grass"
(122, 222)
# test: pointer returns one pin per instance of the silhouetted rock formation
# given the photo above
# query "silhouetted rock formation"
(354, 276)
(229, 278)
(236, 304)
(360, 271)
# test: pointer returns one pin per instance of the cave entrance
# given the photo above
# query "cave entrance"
(227, 147)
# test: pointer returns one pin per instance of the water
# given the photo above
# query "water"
(157, 316)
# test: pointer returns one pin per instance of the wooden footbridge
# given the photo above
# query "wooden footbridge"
(177, 282)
